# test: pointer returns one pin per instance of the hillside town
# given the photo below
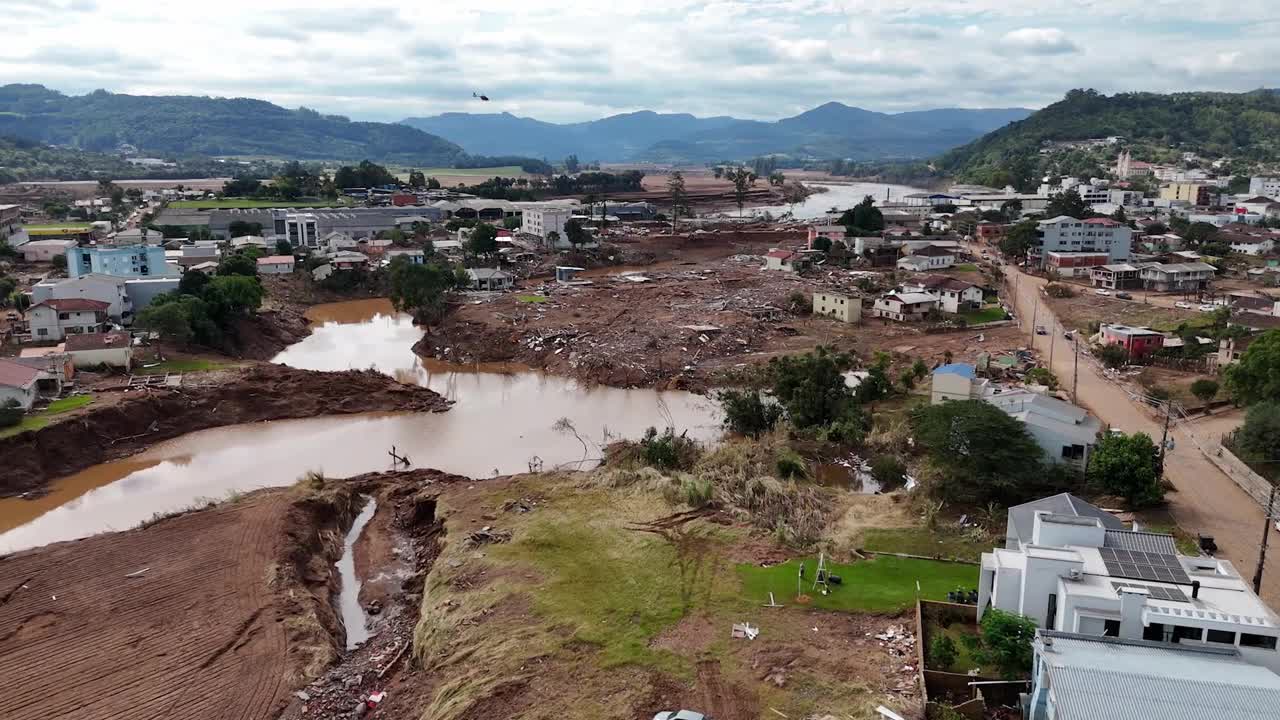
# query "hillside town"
(475, 362)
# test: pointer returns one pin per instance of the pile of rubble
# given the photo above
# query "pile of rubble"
(900, 644)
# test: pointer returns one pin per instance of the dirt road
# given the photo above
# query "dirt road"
(1206, 501)
(191, 618)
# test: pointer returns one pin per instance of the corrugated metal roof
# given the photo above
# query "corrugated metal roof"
(1143, 541)
(1022, 517)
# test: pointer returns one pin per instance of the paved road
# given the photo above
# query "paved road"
(1207, 501)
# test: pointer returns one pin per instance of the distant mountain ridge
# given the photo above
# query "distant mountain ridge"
(829, 131)
(190, 125)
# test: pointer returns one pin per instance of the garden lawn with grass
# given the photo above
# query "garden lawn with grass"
(37, 420)
(69, 226)
(922, 541)
(532, 298)
(991, 313)
(965, 267)
(884, 584)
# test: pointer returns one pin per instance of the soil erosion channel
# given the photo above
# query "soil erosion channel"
(502, 423)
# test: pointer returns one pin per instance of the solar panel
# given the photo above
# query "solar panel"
(1143, 565)
(1156, 592)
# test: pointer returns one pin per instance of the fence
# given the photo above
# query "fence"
(938, 686)
(1258, 487)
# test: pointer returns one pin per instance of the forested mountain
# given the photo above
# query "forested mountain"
(829, 131)
(1243, 126)
(187, 125)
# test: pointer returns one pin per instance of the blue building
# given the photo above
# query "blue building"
(130, 261)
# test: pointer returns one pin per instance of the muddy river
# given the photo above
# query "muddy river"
(502, 423)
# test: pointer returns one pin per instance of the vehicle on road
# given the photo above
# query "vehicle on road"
(680, 715)
(1040, 330)
(1207, 307)
(1183, 305)
(1102, 291)
(1124, 296)
(1070, 335)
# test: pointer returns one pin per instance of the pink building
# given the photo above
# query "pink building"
(1137, 341)
(830, 232)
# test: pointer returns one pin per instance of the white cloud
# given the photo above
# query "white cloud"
(1038, 41)
(570, 59)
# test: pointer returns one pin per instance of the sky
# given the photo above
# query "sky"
(566, 60)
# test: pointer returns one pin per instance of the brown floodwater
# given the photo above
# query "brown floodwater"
(502, 423)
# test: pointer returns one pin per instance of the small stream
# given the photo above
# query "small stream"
(353, 617)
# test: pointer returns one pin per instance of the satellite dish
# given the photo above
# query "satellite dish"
(485, 98)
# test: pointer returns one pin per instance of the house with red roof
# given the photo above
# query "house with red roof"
(18, 384)
(55, 318)
(778, 259)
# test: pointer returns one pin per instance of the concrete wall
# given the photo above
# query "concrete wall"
(115, 357)
(1041, 581)
(26, 397)
(950, 386)
(841, 307)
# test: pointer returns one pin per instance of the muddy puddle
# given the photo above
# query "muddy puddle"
(502, 423)
(353, 617)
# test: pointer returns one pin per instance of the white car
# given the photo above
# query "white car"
(1207, 307)
(1102, 291)
(680, 715)
(1183, 305)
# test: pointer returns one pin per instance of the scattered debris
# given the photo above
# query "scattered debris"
(487, 535)
(138, 573)
(744, 630)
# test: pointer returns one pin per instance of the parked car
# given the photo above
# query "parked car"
(1040, 330)
(1102, 291)
(1182, 304)
(1070, 335)
(1124, 296)
(680, 715)
(1207, 307)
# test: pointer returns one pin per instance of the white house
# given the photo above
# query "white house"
(953, 295)
(1265, 186)
(956, 381)
(245, 241)
(104, 288)
(55, 318)
(18, 383)
(904, 306)
(275, 265)
(929, 257)
(109, 348)
(1065, 234)
(778, 259)
(46, 250)
(1066, 433)
(1068, 567)
(490, 279)
(415, 256)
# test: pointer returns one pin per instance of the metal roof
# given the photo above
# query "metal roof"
(1143, 541)
(1099, 678)
(1022, 517)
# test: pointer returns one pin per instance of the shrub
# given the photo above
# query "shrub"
(1042, 376)
(10, 414)
(1204, 389)
(667, 451)
(1006, 642)
(790, 465)
(942, 652)
(1113, 356)
(1127, 465)
(1057, 290)
(799, 303)
(889, 472)
(748, 412)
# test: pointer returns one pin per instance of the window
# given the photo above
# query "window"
(1072, 452)
(1181, 632)
(1051, 616)
(42, 331)
(1225, 637)
(64, 316)
(1266, 642)
(1155, 631)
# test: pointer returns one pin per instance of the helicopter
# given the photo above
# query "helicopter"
(484, 98)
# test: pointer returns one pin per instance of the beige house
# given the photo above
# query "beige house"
(109, 348)
(844, 308)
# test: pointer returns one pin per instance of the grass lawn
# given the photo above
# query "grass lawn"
(532, 298)
(921, 541)
(965, 267)
(67, 226)
(885, 584)
(231, 203)
(959, 634)
(985, 315)
(37, 420)
(186, 365)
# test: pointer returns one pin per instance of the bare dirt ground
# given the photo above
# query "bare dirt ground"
(212, 614)
(130, 420)
(709, 310)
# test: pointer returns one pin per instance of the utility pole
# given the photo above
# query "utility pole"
(1266, 533)
(1075, 372)
(1164, 438)
(1053, 338)
(1035, 309)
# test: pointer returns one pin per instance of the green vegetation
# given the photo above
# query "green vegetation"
(36, 420)
(1257, 376)
(205, 310)
(1257, 442)
(885, 584)
(1241, 125)
(61, 226)
(534, 299)
(421, 289)
(965, 267)
(946, 543)
(249, 203)
(990, 313)
(978, 454)
(1128, 466)
(1006, 642)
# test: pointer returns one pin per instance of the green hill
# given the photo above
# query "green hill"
(187, 125)
(1243, 126)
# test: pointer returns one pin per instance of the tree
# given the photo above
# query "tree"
(283, 247)
(238, 264)
(571, 165)
(240, 228)
(777, 179)
(241, 294)
(1257, 376)
(483, 240)
(942, 652)
(241, 187)
(822, 243)
(1157, 228)
(1113, 356)
(1067, 203)
(864, 217)
(60, 262)
(10, 413)
(1119, 215)
(1128, 466)
(888, 472)
(743, 180)
(420, 289)
(675, 187)
(980, 452)
(1258, 439)
(575, 233)
(192, 282)
(811, 386)
(172, 320)
(1204, 389)
(718, 172)
(364, 175)
(1019, 239)
(417, 180)
(747, 412)
(1011, 210)
(1199, 232)
(1006, 642)
(433, 184)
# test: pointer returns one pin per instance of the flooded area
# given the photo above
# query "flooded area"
(353, 617)
(839, 195)
(502, 423)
